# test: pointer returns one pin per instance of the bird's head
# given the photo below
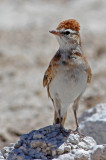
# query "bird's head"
(67, 34)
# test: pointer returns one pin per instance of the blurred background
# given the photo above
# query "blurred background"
(26, 48)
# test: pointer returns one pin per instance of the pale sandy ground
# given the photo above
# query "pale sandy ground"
(26, 48)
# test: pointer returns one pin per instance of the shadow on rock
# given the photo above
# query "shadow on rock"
(49, 143)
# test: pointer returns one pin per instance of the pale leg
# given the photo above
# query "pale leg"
(75, 108)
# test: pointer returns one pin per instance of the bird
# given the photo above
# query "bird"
(68, 73)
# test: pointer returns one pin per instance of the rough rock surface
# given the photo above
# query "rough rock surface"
(93, 123)
(26, 48)
(49, 143)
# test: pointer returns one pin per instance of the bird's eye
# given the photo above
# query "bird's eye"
(67, 32)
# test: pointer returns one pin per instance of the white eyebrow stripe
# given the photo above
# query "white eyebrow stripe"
(70, 30)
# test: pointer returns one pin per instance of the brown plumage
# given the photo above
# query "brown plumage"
(69, 24)
(51, 70)
(68, 72)
(89, 72)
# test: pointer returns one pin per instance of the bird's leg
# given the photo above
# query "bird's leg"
(75, 108)
(60, 120)
(62, 129)
(76, 120)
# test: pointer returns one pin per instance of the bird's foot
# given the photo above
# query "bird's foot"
(64, 131)
(79, 133)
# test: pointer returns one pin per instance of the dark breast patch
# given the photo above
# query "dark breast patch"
(64, 62)
(57, 57)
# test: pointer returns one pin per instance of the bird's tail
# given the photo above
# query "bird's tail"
(57, 119)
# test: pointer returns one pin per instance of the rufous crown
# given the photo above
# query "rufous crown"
(69, 24)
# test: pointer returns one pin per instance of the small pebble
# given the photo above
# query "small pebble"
(44, 145)
(74, 139)
(35, 143)
(53, 152)
(83, 146)
(38, 136)
(48, 148)
(67, 148)
(11, 145)
(60, 150)
(24, 136)
(18, 144)
(5, 155)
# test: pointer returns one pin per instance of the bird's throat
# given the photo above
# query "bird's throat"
(72, 49)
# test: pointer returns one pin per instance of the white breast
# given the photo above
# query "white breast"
(67, 86)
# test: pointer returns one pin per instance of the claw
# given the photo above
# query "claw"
(64, 132)
(79, 133)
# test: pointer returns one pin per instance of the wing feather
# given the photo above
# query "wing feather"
(88, 70)
(47, 76)
(51, 72)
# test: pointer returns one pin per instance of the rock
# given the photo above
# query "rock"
(93, 123)
(74, 139)
(36, 143)
(49, 146)
(82, 155)
(87, 143)
(65, 157)
(60, 149)
(98, 152)
(67, 148)
(38, 136)
(53, 152)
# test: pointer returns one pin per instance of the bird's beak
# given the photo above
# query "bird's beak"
(55, 33)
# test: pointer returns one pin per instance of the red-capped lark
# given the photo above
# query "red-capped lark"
(68, 73)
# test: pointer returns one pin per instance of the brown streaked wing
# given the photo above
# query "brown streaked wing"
(47, 76)
(51, 72)
(88, 69)
(89, 74)
(47, 79)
